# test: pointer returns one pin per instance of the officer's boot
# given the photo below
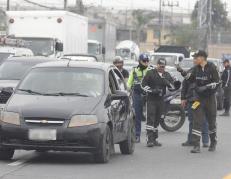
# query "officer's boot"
(213, 143)
(150, 138)
(156, 143)
(196, 148)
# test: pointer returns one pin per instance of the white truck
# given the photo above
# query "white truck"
(50, 33)
(128, 50)
(102, 38)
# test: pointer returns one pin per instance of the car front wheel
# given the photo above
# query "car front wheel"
(105, 147)
(128, 146)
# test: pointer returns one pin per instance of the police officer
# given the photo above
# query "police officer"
(133, 83)
(154, 84)
(187, 98)
(226, 84)
(119, 63)
(206, 78)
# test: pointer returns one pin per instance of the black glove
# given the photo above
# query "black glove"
(157, 92)
(201, 89)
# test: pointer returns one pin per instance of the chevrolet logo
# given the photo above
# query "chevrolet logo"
(44, 121)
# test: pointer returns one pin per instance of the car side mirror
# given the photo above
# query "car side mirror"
(177, 85)
(180, 59)
(119, 95)
(59, 47)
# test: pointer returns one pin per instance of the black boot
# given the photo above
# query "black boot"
(196, 149)
(187, 144)
(225, 114)
(157, 144)
(150, 138)
(212, 146)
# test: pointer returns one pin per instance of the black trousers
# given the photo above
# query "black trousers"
(155, 110)
(206, 110)
(227, 98)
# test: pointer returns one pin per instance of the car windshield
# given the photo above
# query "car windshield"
(124, 53)
(169, 58)
(64, 82)
(41, 46)
(4, 56)
(13, 70)
(186, 64)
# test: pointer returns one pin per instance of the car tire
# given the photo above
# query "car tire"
(105, 147)
(6, 154)
(127, 147)
(180, 123)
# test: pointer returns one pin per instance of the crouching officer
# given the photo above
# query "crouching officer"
(134, 83)
(206, 78)
(226, 84)
(154, 84)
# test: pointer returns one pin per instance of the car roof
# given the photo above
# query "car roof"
(31, 58)
(70, 63)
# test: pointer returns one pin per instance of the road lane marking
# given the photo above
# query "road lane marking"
(17, 163)
(227, 177)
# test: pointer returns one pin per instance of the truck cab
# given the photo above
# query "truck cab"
(95, 48)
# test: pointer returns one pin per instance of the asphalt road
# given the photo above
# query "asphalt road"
(171, 161)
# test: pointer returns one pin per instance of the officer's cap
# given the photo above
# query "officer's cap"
(200, 53)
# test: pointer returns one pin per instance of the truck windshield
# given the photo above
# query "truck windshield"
(124, 53)
(93, 49)
(41, 46)
(4, 56)
(169, 58)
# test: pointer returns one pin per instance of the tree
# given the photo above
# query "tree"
(140, 19)
(219, 15)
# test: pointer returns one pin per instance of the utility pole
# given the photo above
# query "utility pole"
(65, 4)
(171, 4)
(8, 5)
(160, 20)
(204, 22)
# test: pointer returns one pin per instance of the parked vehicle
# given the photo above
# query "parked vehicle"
(80, 57)
(128, 50)
(11, 72)
(130, 64)
(50, 32)
(104, 32)
(69, 106)
(186, 64)
(174, 49)
(95, 48)
(13, 47)
(171, 58)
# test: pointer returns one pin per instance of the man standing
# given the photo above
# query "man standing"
(206, 79)
(134, 83)
(119, 63)
(226, 84)
(154, 84)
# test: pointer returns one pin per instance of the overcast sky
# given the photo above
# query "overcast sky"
(184, 5)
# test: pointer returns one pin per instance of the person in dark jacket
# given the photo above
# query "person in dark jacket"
(154, 84)
(119, 63)
(206, 78)
(226, 84)
(187, 98)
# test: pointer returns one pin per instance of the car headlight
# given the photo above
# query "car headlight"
(11, 118)
(83, 120)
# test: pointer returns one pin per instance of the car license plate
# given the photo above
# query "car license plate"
(42, 134)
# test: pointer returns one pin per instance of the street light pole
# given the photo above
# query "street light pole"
(160, 13)
(8, 5)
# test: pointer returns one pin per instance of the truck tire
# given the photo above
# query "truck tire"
(105, 147)
(6, 154)
(177, 112)
(127, 147)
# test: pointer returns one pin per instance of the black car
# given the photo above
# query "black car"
(12, 70)
(69, 106)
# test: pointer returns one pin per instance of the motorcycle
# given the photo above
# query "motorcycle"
(174, 113)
